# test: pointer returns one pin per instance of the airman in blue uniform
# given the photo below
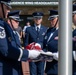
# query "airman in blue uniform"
(51, 44)
(36, 33)
(74, 40)
(10, 55)
(13, 21)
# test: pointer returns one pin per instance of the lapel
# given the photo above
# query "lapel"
(34, 30)
(16, 38)
(41, 30)
(54, 35)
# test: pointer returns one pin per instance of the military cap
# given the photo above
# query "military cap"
(6, 2)
(53, 14)
(14, 15)
(74, 8)
(37, 15)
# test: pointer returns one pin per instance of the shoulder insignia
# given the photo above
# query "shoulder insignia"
(2, 33)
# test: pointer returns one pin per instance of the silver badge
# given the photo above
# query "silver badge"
(45, 37)
(2, 33)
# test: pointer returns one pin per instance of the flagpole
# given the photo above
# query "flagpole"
(65, 37)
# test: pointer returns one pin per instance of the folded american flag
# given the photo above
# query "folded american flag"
(33, 46)
(44, 56)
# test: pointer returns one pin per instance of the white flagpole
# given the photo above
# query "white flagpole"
(65, 37)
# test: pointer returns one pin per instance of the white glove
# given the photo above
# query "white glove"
(47, 54)
(37, 44)
(74, 55)
(55, 56)
(33, 54)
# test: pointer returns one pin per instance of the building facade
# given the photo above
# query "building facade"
(27, 7)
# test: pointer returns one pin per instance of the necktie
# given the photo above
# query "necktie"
(37, 29)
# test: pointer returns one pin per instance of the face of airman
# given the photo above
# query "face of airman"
(74, 19)
(37, 21)
(15, 23)
(53, 22)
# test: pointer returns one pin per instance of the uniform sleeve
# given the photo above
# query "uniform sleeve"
(18, 54)
(9, 51)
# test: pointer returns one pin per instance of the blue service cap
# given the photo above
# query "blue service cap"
(53, 14)
(14, 15)
(6, 2)
(74, 8)
(38, 15)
